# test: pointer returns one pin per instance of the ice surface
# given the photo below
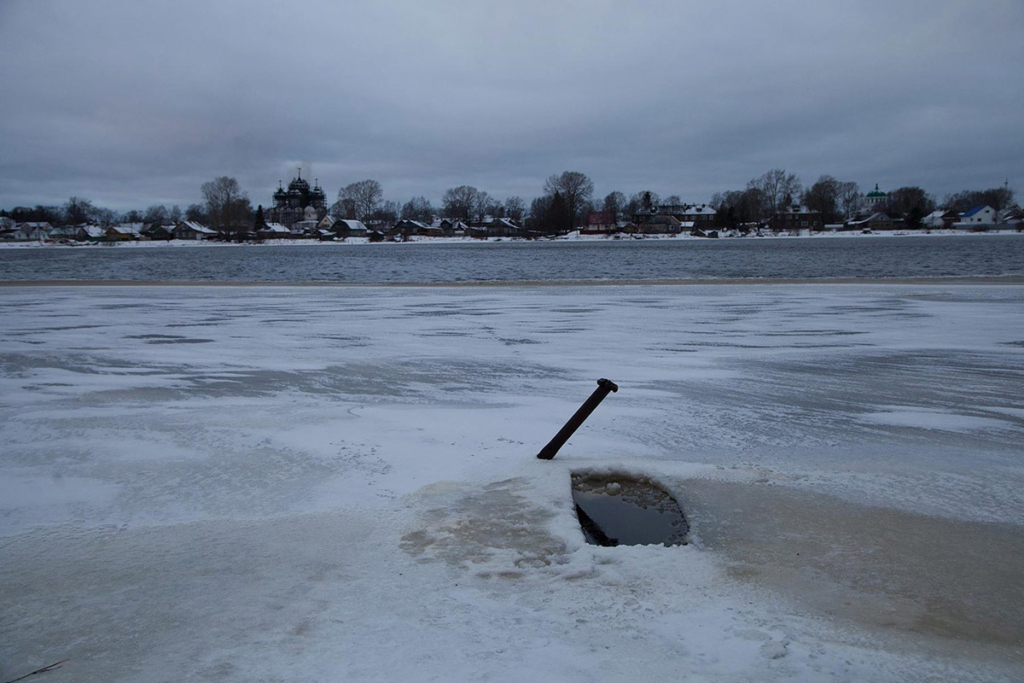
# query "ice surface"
(310, 484)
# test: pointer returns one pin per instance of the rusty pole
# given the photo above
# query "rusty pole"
(584, 411)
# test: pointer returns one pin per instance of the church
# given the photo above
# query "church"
(299, 207)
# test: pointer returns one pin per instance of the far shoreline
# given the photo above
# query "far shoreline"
(570, 238)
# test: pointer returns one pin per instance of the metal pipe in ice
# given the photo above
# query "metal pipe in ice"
(603, 387)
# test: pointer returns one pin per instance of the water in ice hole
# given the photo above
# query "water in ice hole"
(621, 510)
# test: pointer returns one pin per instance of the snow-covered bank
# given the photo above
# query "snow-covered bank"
(309, 484)
(573, 236)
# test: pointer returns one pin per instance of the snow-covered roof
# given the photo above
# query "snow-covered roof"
(352, 224)
(687, 209)
(274, 227)
(197, 227)
(877, 216)
(128, 229)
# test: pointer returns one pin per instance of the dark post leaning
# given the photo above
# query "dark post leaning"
(603, 387)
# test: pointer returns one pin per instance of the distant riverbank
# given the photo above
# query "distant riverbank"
(572, 237)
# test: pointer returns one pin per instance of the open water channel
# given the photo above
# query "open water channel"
(858, 257)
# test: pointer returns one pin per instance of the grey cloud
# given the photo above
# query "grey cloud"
(135, 103)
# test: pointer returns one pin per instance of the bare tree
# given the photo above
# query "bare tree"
(998, 198)
(485, 206)
(227, 205)
(642, 203)
(849, 198)
(39, 213)
(778, 190)
(614, 204)
(575, 189)
(156, 214)
(418, 209)
(462, 202)
(515, 208)
(360, 199)
(913, 203)
(548, 214)
(78, 210)
(196, 213)
(736, 208)
(344, 208)
(386, 212)
(823, 196)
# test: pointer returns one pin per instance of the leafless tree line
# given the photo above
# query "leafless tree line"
(566, 201)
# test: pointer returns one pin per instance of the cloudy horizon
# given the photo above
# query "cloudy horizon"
(133, 104)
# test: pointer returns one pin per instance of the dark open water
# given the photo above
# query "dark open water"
(855, 257)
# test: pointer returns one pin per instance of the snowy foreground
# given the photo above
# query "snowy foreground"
(338, 483)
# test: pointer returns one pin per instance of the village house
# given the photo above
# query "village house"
(33, 231)
(940, 219)
(978, 217)
(450, 227)
(664, 224)
(1012, 216)
(7, 228)
(410, 228)
(495, 227)
(126, 232)
(191, 230)
(701, 216)
(876, 221)
(796, 218)
(599, 223)
(272, 231)
(347, 227)
(78, 233)
(433, 230)
(159, 232)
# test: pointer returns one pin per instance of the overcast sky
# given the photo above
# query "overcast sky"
(131, 103)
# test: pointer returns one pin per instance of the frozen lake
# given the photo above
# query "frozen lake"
(859, 257)
(319, 483)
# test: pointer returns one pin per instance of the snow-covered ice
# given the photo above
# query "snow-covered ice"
(339, 483)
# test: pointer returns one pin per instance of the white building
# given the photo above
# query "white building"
(33, 231)
(979, 216)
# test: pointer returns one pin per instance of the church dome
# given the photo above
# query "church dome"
(298, 186)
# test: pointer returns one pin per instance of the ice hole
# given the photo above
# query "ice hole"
(622, 510)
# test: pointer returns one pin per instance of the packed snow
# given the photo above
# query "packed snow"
(339, 483)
